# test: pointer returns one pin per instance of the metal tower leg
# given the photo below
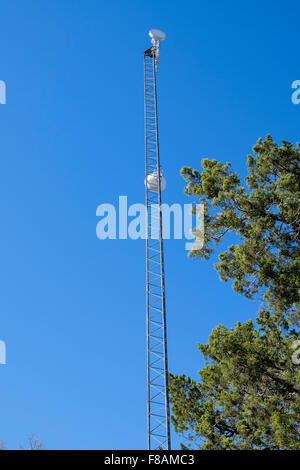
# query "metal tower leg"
(157, 361)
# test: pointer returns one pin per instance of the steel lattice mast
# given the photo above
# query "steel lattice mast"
(157, 362)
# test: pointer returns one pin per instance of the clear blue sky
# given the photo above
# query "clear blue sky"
(73, 307)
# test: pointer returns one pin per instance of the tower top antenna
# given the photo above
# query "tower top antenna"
(156, 36)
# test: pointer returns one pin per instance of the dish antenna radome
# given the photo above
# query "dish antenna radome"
(157, 35)
(153, 183)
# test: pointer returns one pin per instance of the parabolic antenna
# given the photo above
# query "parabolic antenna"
(157, 34)
(152, 181)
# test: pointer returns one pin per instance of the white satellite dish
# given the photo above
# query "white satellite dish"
(152, 181)
(157, 35)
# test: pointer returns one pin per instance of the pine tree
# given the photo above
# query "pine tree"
(248, 396)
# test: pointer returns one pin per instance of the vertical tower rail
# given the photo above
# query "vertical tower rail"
(157, 363)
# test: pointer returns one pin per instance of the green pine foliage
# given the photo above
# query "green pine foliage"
(248, 395)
